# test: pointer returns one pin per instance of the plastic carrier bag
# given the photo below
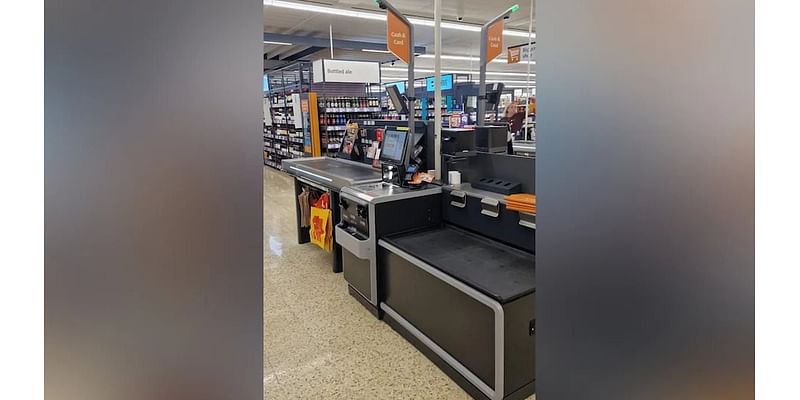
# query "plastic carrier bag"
(321, 229)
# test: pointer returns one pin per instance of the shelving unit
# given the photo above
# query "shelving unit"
(286, 127)
(334, 112)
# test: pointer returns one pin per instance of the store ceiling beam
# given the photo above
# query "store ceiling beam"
(274, 64)
(337, 43)
(300, 54)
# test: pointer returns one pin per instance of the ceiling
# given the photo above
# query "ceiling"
(307, 22)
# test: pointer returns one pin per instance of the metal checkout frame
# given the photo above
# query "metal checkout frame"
(373, 210)
(449, 267)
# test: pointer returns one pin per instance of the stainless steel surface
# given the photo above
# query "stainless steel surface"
(524, 146)
(490, 207)
(332, 172)
(469, 190)
(380, 192)
(527, 220)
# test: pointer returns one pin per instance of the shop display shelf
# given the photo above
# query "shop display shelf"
(350, 110)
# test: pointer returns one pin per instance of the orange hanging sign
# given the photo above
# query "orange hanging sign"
(513, 54)
(494, 40)
(397, 37)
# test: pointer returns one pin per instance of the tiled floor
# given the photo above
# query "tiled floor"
(319, 343)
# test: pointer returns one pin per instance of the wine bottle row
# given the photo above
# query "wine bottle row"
(341, 119)
(349, 102)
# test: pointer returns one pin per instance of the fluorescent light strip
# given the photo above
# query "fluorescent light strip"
(324, 10)
(381, 17)
(376, 51)
(470, 58)
(450, 57)
(278, 43)
(425, 70)
(506, 82)
(518, 33)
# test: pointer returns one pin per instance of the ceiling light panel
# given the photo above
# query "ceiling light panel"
(449, 71)
(472, 58)
(381, 16)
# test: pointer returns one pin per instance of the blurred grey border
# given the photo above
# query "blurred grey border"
(153, 206)
(645, 183)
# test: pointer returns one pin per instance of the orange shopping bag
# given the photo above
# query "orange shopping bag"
(321, 227)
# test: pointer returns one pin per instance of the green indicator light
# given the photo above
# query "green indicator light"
(515, 8)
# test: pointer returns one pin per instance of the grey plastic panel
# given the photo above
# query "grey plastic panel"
(359, 248)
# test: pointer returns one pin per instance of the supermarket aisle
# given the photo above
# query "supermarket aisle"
(319, 343)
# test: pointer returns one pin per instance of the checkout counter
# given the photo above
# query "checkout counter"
(451, 268)
(463, 292)
(373, 210)
(328, 175)
(525, 148)
(448, 266)
(331, 175)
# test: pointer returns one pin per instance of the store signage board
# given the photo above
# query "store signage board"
(316, 70)
(494, 40)
(455, 120)
(397, 35)
(513, 55)
(520, 53)
(296, 111)
(343, 71)
(267, 111)
(447, 82)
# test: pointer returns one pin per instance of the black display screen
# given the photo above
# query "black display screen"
(397, 100)
(394, 144)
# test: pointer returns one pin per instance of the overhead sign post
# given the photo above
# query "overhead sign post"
(491, 47)
(400, 41)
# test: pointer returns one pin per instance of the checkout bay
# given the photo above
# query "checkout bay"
(327, 341)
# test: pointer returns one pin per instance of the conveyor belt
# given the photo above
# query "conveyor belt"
(497, 270)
